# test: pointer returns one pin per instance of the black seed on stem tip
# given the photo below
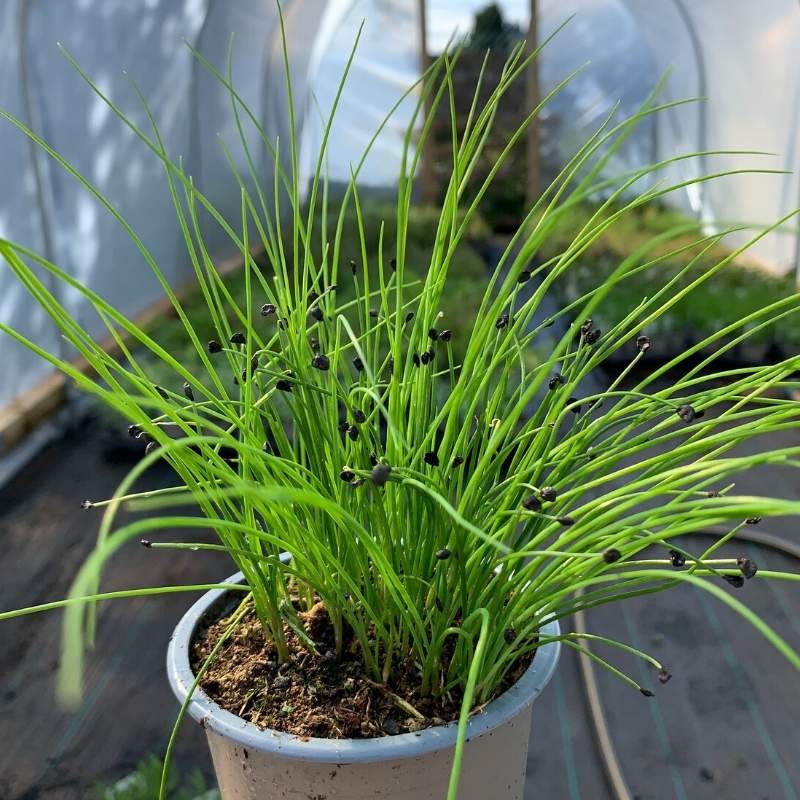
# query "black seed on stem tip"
(646, 692)
(238, 338)
(433, 334)
(509, 634)
(532, 503)
(747, 566)
(431, 458)
(677, 558)
(86, 504)
(557, 379)
(373, 459)
(356, 483)
(145, 543)
(150, 447)
(267, 309)
(380, 474)
(643, 344)
(425, 357)
(352, 432)
(321, 362)
(343, 426)
(162, 392)
(752, 520)
(353, 266)
(443, 554)
(664, 675)
(134, 431)
(589, 333)
(611, 554)
(393, 264)
(409, 316)
(373, 312)
(415, 359)
(187, 390)
(283, 385)
(359, 417)
(358, 364)
(317, 314)
(347, 474)
(214, 346)
(565, 521)
(686, 413)
(524, 276)
(446, 335)
(502, 322)
(737, 581)
(712, 493)
(312, 297)
(457, 461)
(548, 493)
(592, 336)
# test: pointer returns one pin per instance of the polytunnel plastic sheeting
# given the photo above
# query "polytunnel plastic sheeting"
(738, 55)
(738, 60)
(105, 38)
(742, 57)
(385, 64)
(614, 73)
(19, 221)
(194, 113)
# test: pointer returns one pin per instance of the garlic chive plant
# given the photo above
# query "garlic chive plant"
(442, 509)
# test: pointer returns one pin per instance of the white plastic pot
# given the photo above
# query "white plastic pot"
(256, 764)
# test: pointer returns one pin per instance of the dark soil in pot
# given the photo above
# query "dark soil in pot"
(315, 694)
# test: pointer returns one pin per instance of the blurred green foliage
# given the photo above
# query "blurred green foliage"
(144, 784)
(737, 290)
(733, 293)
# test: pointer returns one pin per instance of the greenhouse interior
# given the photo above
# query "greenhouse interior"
(400, 399)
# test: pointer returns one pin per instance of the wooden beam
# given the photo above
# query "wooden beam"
(427, 174)
(34, 406)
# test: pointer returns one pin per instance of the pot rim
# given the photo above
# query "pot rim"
(343, 751)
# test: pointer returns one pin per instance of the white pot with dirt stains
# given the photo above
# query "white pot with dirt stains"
(256, 764)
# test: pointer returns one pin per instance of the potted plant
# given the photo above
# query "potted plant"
(411, 529)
